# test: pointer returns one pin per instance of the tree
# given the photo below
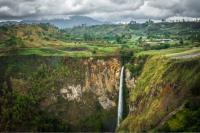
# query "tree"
(163, 20)
(126, 54)
(132, 22)
(14, 41)
(140, 40)
(94, 51)
(118, 39)
(181, 41)
(87, 37)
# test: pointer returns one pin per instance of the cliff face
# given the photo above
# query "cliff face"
(97, 76)
(58, 94)
(165, 96)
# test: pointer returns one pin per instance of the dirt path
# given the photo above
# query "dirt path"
(187, 56)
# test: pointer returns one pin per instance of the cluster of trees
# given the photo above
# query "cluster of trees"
(126, 54)
(14, 41)
(156, 47)
(21, 111)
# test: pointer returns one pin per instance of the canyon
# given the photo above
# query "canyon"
(81, 94)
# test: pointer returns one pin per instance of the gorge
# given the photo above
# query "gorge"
(81, 94)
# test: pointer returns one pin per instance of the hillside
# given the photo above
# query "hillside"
(27, 35)
(184, 30)
(47, 40)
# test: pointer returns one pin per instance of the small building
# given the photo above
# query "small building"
(164, 40)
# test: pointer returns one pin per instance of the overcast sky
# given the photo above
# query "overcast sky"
(105, 10)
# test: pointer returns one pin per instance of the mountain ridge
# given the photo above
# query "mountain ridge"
(73, 21)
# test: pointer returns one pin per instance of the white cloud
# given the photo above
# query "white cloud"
(113, 10)
(4, 9)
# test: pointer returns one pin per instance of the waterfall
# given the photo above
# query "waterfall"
(120, 101)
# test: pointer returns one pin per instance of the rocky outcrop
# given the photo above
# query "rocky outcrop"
(72, 93)
(106, 103)
(129, 79)
(99, 77)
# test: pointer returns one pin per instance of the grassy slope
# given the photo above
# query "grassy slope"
(172, 51)
(46, 40)
(162, 87)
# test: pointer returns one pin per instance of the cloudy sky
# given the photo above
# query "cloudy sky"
(105, 10)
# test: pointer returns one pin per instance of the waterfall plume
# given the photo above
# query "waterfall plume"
(120, 100)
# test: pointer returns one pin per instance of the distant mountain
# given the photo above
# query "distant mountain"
(67, 23)
(9, 23)
(60, 23)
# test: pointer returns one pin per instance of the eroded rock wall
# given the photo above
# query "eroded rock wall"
(79, 94)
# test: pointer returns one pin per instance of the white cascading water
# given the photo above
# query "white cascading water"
(120, 101)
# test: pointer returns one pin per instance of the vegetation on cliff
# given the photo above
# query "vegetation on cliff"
(57, 94)
(185, 120)
(163, 86)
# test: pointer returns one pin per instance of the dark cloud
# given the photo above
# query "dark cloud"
(113, 10)
(189, 8)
